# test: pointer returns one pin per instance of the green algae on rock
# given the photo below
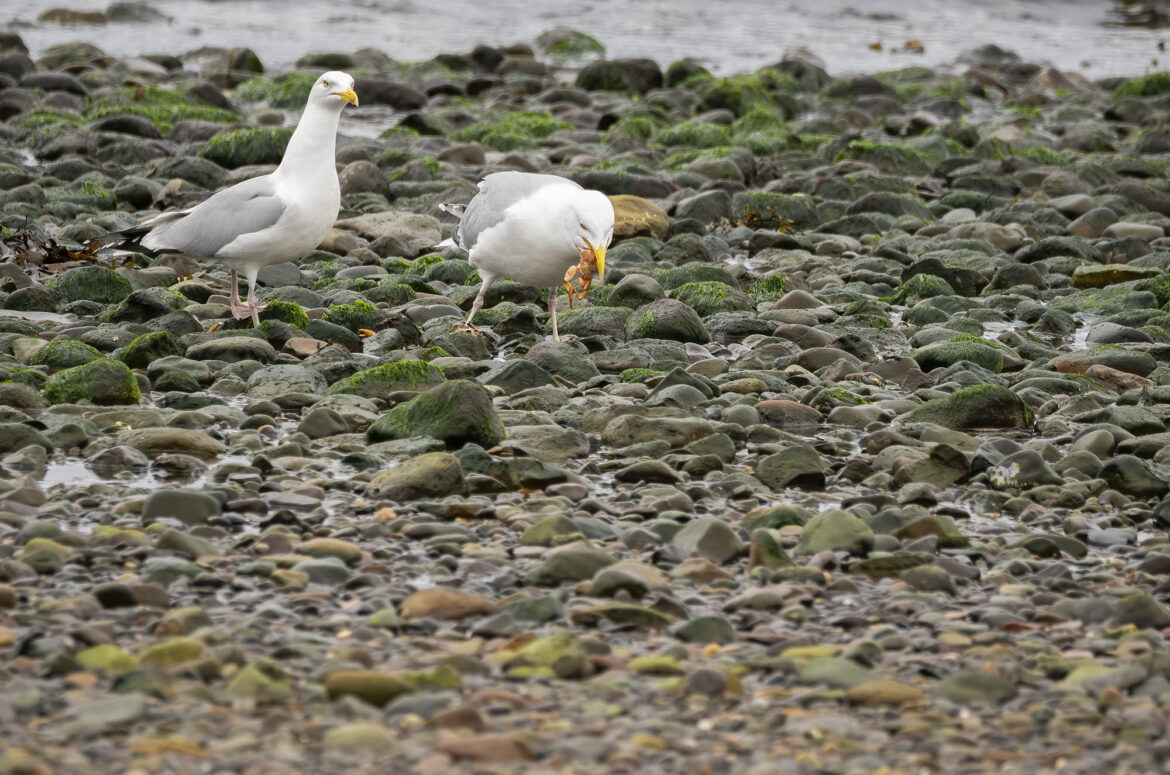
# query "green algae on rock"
(388, 378)
(457, 412)
(101, 381)
(977, 406)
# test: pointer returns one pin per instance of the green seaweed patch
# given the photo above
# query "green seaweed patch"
(27, 377)
(287, 91)
(695, 134)
(811, 142)
(391, 293)
(770, 287)
(355, 316)
(241, 147)
(380, 381)
(896, 158)
(163, 107)
(421, 264)
(1149, 85)
(575, 44)
(511, 131)
(1159, 286)
(358, 284)
(64, 354)
(91, 283)
(764, 131)
(89, 194)
(101, 381)
(38, 127)
(287, 312)
(638, 128)
(710, 297)
(148, 348)
(639, 375)
(392, 157)
(399, 132)
(432, 353)
(921, 287)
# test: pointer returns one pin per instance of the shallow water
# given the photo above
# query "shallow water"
(728, 35)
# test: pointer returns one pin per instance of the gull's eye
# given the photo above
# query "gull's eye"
(325, 84)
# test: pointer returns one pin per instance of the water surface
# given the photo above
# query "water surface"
(727, 35)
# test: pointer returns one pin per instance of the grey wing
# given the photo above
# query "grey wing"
(498, 192)
(204, 230)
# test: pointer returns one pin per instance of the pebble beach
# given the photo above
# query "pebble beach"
(856, 463)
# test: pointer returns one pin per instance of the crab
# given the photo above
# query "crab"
(583, 273)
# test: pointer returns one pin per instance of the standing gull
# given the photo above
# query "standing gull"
(533, 228)
(271, 218)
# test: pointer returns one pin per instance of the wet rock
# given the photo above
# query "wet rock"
(434, 474)
(709, 538)
(835, 530)
(444, 603)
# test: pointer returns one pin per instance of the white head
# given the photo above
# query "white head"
(333, 90)
(594, 227)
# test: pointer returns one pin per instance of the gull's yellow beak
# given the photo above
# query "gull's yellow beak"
(600, 254)
(349, 95)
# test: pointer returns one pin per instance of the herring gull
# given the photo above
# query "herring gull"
(267, 219)
(533, 228)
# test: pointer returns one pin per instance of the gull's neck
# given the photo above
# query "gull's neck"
(312, 150)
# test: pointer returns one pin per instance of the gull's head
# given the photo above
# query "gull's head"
(594, 228)
(334, 89)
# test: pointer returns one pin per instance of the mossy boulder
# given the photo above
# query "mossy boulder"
(431, 475)
(921, 287)
(92, 283)
(64, 354)
(100, 381)
(456, 412)
(26, 377)
(148, 348)
(241, 147)
(380, 381)
(977, 406)
(595, 321)
(286, 312)
(686, 71)
(391, 293)
(355, 316)
(708, 298)
(146, 304)
(563, 44)
(667, 319)
(773, 210)
(961, 348)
